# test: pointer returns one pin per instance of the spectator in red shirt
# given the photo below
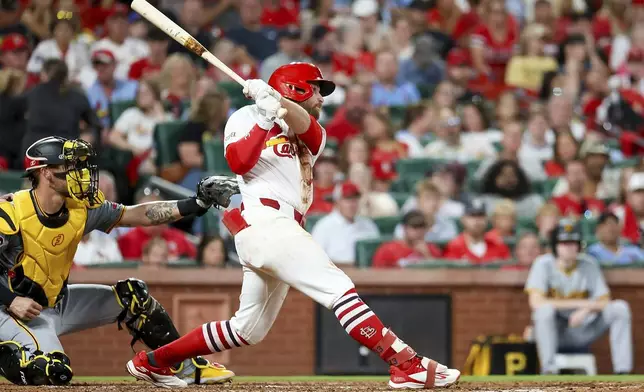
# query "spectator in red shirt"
(325, 173)
(150, 66)
(575, 203)
(177, 78)
(411, 249)
(472, 244)
(352, 57)
(236, 58)
(133, 243)
(347, 120)
(493, 42)
(459, 73)
(566, 149)
(631, 213)
(449, 19)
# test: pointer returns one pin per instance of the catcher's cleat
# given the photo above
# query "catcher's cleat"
(140, 368)
(204, 372)
(422, 373)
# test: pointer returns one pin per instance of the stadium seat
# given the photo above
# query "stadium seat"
(234, 92)
(526, 224)
(329, 110)
(214, 157)
(331, 145)
(11, 181)
(365, 249)
(631, 162)
(397, 115)
(387, 224)
(400, 197)
(426, 90)
(211, 222)
(117, 108)
(311, 220)
(547, 186)
(166, 139)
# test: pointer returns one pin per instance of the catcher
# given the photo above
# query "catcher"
(40, 229)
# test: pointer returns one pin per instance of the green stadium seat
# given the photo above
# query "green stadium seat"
(631, 162)
(331, 145)
(426, 90)
(234, 92)
(166, 140)
(329, 110)
(215, 161)
(547, 186)
(400, 197)
(497, 146)
(613, 144)
(365, 249)
(11, 181)
(588, 226)
(397, 115)
(117, 108)
(387, 224)
(526, 224)
(311, 220)
(211, 222)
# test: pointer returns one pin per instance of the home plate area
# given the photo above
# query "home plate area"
(341, 386)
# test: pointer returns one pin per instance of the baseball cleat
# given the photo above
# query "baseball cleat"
(204, 372)
(140, 368)
(422, 373)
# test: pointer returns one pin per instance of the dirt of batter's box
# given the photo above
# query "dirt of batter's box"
(341, 386)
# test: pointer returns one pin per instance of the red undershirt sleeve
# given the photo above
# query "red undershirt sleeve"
(243, 154)
(312, 138)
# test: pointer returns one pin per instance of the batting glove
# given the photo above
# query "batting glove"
(268, 107)
(256, 87)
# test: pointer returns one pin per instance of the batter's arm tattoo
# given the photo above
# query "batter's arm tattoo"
(151, 214)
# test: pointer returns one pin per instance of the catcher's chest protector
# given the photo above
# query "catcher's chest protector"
(48, 254)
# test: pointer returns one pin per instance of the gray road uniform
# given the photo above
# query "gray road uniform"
(36, 253)
(551, 330)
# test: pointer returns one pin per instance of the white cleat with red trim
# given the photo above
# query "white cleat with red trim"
(140, 368)
(422, 373)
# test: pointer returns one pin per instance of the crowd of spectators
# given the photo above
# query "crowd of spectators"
(461, 130)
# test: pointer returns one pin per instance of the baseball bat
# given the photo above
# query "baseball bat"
(157, 18)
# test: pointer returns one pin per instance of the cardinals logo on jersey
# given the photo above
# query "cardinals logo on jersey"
(281, 146)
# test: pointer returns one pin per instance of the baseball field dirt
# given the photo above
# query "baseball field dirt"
(346, 384)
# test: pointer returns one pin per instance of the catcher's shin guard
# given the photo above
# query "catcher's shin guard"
(144, 317)
(39, 369)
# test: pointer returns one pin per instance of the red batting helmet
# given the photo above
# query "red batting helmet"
(294, 81)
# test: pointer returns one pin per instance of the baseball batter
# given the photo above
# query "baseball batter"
(40, 230)
(273, 159)
(571, 305)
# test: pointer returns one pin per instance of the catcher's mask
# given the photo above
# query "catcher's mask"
(76, 156)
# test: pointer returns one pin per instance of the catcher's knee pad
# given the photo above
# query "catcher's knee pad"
(38, 369)
(144, 317)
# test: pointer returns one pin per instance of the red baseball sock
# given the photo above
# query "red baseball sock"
(206, 339)
(360, 322)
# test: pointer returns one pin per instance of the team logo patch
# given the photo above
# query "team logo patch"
(58, 240)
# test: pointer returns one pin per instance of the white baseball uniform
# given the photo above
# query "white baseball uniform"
(275, 250)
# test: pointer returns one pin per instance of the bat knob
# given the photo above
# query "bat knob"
(281, 113)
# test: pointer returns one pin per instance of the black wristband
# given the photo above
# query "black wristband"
(6, 296)
(189, 206)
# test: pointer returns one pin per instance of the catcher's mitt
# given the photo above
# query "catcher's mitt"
(217, 190)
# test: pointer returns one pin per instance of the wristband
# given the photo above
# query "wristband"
(190, 206)
(6, 296)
